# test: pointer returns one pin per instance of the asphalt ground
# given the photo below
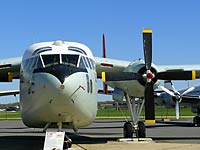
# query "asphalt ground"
(103, 134)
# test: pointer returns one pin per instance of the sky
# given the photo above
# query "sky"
(175, 25)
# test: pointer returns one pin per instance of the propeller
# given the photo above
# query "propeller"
(149, 76)
(149, 91)
(178, 97)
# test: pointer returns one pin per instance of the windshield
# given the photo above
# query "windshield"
(70, 60)
(66, 59)
(51, 59)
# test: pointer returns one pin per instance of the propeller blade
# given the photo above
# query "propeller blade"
(177, 75)
(170, 86)
(149, 103)
(147, 46)
(122, 76)
(177, 109)
(105, 86)
(167, 91)
(188, 90)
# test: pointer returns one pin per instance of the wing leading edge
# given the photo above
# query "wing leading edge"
(110, 65)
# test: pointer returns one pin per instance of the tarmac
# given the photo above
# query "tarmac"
(105, 135)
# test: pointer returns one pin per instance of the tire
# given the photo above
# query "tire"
(196, 121)
(128, 130)
(141, 132)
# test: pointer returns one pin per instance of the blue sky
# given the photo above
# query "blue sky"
(175, 24)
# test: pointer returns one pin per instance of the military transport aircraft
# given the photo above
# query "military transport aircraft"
(186, 97)
(58, 84)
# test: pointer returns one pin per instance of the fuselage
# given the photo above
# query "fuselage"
(58, 83)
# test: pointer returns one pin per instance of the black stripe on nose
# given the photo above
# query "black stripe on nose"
(60, 71)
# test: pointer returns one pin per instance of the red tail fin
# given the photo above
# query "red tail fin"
(104, 46)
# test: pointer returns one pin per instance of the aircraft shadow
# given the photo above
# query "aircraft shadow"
(103, 127)
(21, 142)
(37, 142)
(170, 123)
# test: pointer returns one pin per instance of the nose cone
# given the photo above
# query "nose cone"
(60, 71)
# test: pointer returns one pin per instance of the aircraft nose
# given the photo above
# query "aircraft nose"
(60, 71)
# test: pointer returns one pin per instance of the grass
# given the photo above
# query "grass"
(161, 112)
(4, 115)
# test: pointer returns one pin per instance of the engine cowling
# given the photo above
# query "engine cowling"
(135, 88)
(140, 68)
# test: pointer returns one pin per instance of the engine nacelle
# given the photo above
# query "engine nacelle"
(140, 68)
(6, 77)
(134, 88)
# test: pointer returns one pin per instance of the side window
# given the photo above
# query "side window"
(29, 63)
(89, 62)
(39, 63)
(33, 62)
(85, 61)
(88, 84)
(91, 87)
(24, 64)
(81, 63)
(92, 63)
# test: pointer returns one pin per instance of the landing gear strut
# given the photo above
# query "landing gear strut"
(137, 127)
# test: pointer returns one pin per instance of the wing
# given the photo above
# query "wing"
(163, 68)
(110, 65)
(114, 65)
(10, 69)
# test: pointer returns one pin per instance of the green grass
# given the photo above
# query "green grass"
(161, 112)
(10, 115)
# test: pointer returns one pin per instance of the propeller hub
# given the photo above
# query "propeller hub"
(150, 75)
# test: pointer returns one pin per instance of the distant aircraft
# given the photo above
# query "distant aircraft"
(12, 108)
(58, 84)
(186, 97)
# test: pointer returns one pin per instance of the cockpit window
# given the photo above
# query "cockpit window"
(81, 63)
(51, 59)
(39, 63)
(70, 60)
